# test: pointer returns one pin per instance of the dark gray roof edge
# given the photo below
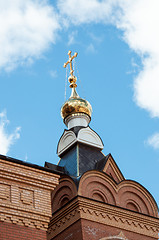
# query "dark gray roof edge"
(54, 167)
(10, 159)
(116, 165)
(101, 163)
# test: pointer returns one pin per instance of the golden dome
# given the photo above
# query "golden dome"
(75, 105)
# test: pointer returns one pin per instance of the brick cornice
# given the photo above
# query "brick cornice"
(88, 209)
(24, 218)
(25, 174)
(26, 194)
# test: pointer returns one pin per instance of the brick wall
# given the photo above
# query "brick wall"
(99, 220)
(88, 230)
(25, 200)
(95, 231)
(9, 231)
(74, 232)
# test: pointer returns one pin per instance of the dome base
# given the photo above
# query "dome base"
(77, 119)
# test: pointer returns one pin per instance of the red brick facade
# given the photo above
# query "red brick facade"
(96, 231)
(25, 200)
(103, 205)
(9, 231)
(100, 220)
(88, 230)
(74, 232)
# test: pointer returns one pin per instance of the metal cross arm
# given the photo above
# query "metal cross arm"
(70, 62)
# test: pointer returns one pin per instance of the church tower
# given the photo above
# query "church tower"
(93, 200)
(79, 143)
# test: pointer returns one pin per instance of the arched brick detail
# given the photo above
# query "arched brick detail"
(133, 195)
(64, 192)
(132, 206)
(98, 195)
(97, 185)
(126, 194)
(101, 187)
(130, 199)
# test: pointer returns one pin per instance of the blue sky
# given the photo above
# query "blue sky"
(117, 69)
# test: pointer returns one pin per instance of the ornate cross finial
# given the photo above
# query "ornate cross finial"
(70, 62)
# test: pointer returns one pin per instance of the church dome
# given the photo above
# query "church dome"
(75, 105)
(75, 111)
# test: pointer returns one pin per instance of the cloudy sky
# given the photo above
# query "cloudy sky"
(117, 70)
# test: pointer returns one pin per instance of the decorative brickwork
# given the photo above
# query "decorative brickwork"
(102, 213)
(98, 206)
(105, 198)
(101, 187)
(64, 192)
(73, 232)
(25, 198)
(5, 192)
(126, 194)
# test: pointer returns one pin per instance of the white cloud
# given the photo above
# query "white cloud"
(153, 141)
(138, 19)
(6, 139)
(53, 73)
(72, 38)
(81, 11)
(140, 25)
(96, 38)
(26, 157)
(27, 28)
(134, 67)
(90, 48)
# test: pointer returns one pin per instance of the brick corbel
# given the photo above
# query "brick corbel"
(88, 209)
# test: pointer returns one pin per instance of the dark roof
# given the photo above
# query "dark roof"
(54, 167)
(88, 157)
(53, 170)
(79, 159)
(76, 129)
(101, 163)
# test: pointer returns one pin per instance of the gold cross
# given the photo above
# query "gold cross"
(70, 62)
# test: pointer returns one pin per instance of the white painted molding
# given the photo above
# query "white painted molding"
(89, 137)
(67, 140)
(85, 135)
(78, 119)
